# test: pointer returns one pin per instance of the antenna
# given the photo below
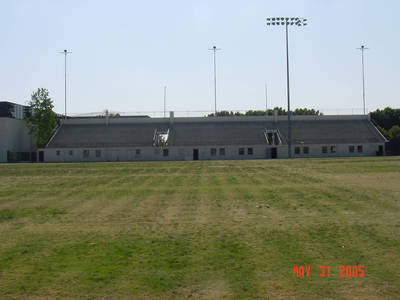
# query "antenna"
(362, 48)
(65, 52)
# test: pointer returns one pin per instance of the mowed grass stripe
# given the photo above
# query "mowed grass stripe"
(208, 229)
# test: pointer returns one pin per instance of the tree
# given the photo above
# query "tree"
(386, 118)
(42, 121)
(388, 122)
(394, 133)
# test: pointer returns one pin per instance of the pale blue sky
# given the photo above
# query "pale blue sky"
(124, 52)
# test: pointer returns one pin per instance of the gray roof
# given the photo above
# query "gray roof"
(213, 131)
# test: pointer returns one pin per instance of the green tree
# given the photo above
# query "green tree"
(394, 133)
(42, 121)
(386, 118)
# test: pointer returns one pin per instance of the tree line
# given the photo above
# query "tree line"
(270, 112)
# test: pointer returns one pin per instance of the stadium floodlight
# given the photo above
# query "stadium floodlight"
(362, 65)
(215, 49)
(65, 52)
(288, 21)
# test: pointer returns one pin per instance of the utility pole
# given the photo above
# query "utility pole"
(363, 80)
(65, 52)
(215, 49)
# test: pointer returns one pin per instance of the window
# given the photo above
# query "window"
(333, 149)
(58, 152)
(241, 151)
(297, 150)
(360, 148)
(160, 137)
(221, 151)
(165, 152)
(351, 149)
(137, 152)
(306, 150)
(71, 152)
(324, 149)
(213, 151)
(85, 153)
(249, 151)
(98, 153)
(272, 136)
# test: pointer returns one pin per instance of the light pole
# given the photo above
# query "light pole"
(362, 64)
(215, 49)
(65, 52)
(165, 99)
(286, 21)
(266, 99)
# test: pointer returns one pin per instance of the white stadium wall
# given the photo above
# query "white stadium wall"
(186, 153)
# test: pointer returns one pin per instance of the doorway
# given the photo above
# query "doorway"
(195, 154)
(380, 151)
(41, 156)
(274, 153)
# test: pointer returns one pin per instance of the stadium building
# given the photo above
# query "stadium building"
(211, 138)
(15, 142)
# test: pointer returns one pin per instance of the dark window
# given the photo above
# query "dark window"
(98, 153)
(351, 149)
(137, 151)
(165, 152)
(250, 151)
(71, 152)
(333, 149)
(221, 151)
(306, 150)
(213, 151)
(324, 149)
(359, 148)
(85, 153)
(58, 152)
(241, 151)
(297, 150)
(272, 136)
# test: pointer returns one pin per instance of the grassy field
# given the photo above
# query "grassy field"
(208, 230)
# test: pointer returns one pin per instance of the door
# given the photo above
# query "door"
(274, 153)
(195, 154)
(41, 156)
(380, 151)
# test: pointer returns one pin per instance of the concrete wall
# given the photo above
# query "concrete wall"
(153, 153)
(340, 150)
(14, 136)
(186, 153)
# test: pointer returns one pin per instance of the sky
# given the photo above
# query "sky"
(125, 52)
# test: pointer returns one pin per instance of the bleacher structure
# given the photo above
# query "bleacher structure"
(208, 138)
